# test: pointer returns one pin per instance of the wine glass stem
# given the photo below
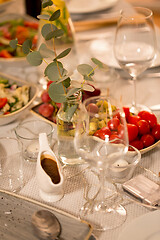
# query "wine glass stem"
(102, 187)
(134, 102)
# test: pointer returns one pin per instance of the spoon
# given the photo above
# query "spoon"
(46, 225)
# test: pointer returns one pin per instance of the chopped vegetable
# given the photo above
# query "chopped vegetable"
(12, 96)
(20, 29)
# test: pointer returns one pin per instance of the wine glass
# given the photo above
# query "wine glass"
(135, 45)
(102, 137)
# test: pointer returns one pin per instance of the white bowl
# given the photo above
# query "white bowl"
(5, 119)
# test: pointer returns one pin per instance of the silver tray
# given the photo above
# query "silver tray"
(15, 219)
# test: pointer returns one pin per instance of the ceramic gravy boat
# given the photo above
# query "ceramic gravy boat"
(48, 172)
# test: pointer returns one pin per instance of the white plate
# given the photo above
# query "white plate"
(83, 6)
(146, 227)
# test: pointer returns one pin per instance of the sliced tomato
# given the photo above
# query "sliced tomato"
(5, 54)
(22, 33)
(3, 102)
(33, 25)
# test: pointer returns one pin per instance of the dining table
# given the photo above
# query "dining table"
(78, 177)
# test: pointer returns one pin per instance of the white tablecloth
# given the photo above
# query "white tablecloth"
(148, 94)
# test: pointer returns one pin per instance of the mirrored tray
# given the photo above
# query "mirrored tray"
(16, 212)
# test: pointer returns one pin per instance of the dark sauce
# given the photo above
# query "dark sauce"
(51, 168)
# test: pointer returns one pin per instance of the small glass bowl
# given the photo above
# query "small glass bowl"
(28, 133)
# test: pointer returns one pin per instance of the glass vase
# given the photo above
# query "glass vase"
(67, 118)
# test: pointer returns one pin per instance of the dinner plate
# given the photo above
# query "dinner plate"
(16, 212)
(83, 6)
(145, 227)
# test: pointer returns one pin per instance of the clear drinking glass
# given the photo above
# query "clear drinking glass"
(98, 144)
(135, 45)
(28, 134)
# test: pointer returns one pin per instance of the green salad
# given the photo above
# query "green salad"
(12, 96)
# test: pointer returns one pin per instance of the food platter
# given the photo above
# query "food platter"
(16, 213)
(34, 110)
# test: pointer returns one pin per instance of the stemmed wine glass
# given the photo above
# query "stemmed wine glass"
(101, 138)
(135, 45)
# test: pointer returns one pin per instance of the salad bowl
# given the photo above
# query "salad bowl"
(32, 91)
(16, 26)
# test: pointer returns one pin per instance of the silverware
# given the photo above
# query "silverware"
(46, 225)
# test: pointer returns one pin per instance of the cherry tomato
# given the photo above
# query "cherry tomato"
(103, 133)
(5, 54)
(92, 108)
(132, 131)
(120, 130)
(58, 105)
(33, 25)
(133, 119)
(115, 138)
(147, 140)
(143, 127)
(137, 144)
(49, 83)
(3, 102)
(46, 109)
(126, 111)
(45, 97)
(148, 116)
(113, 123)
(156, 131)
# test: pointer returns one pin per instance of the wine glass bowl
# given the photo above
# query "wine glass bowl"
(98, 140)
(135, 45)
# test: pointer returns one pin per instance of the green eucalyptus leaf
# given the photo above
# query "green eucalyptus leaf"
(43, 16)
(88, 88)
(26, 46)
(45, 51)
(34, 58)
(76, 84)
(64, 53)
(72, 91)
(13, 43)
(47, 29)
(58, 33)
(52, 71)
(49, 36)
(67, 82)
(47, 3)
(70, 112)
(99, 63)
(55, 15)
(56, 92)
(85, 69)
(63, 78)
(87, 78)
